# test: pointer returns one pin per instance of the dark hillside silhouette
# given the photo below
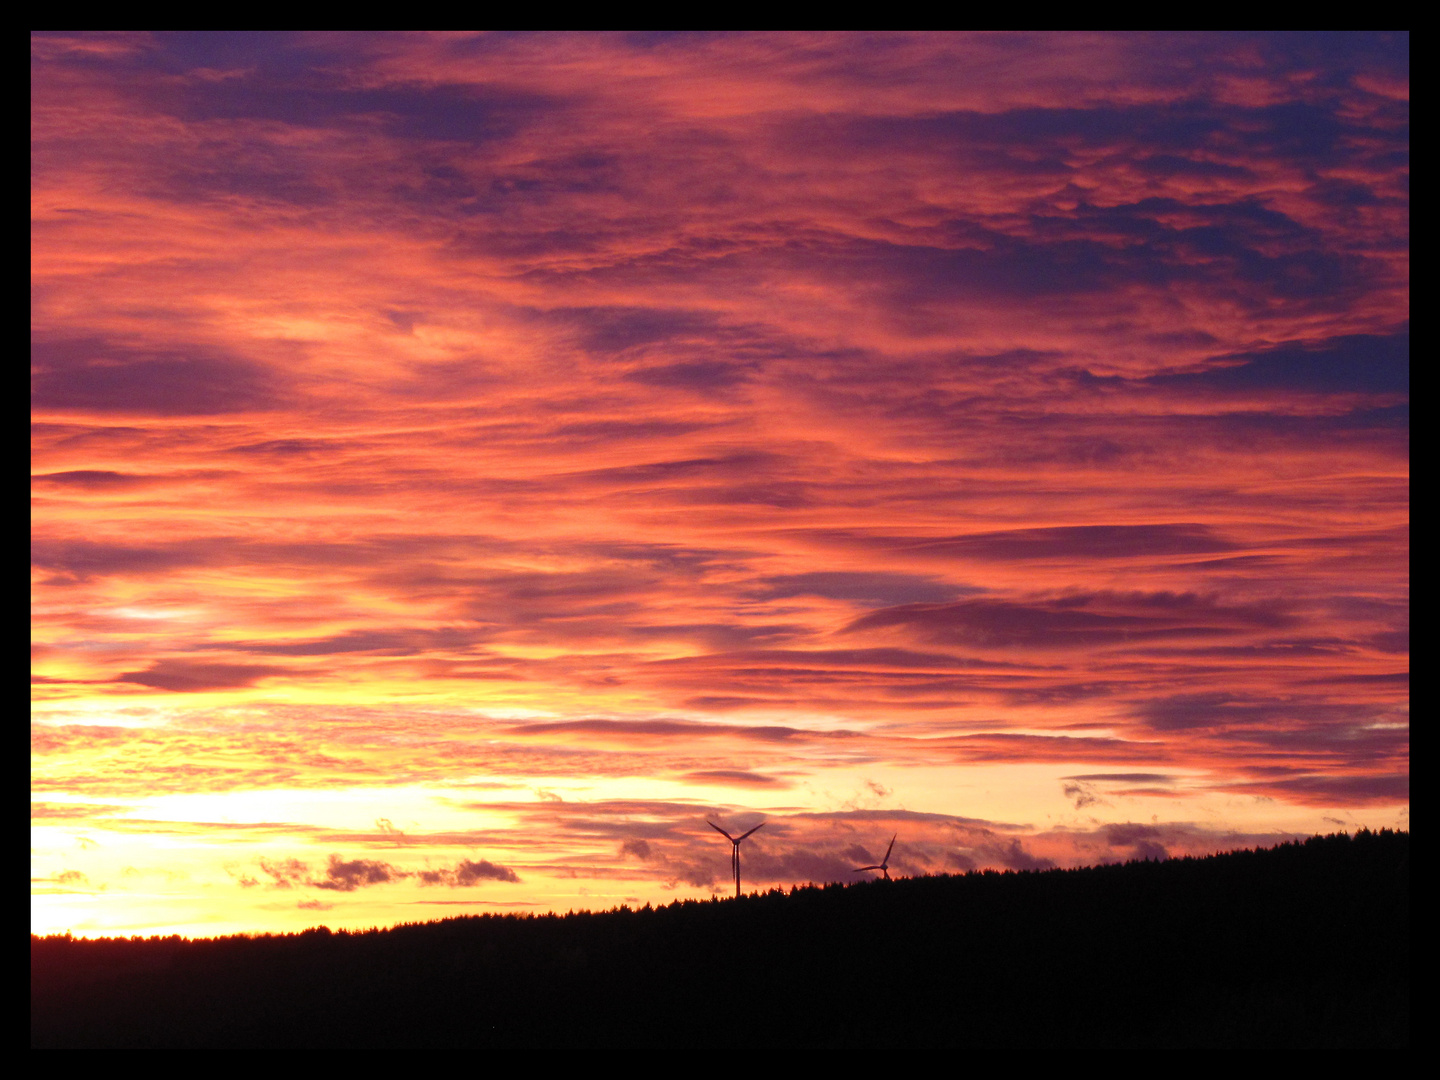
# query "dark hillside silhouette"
(1306, 944)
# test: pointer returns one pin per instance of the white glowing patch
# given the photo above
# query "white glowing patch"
(96, 714)
(151, 613)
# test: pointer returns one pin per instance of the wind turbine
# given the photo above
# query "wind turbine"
(884, 864)
(734, 850)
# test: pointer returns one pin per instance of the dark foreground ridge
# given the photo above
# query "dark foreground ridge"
(1306, 944)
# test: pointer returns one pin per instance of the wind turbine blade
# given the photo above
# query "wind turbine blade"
(721, 831)
(743, 835)
(886, 859)
(859, 868)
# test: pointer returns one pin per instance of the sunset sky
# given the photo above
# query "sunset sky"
(463, 463)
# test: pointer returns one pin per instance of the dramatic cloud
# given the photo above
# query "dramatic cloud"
(176, 675)
(1355, 364)
(343, 876)
(103, 377)
(466, 873)
(470, 873)
(284, 874)
(1075, 621)
(536, 443)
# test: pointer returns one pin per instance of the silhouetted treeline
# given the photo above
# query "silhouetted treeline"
(1306, 944)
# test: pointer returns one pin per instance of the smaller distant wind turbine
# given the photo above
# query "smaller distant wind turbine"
(884, 864)
(734, 850)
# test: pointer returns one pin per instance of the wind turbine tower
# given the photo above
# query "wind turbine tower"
(734, 850)
(884, 864)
